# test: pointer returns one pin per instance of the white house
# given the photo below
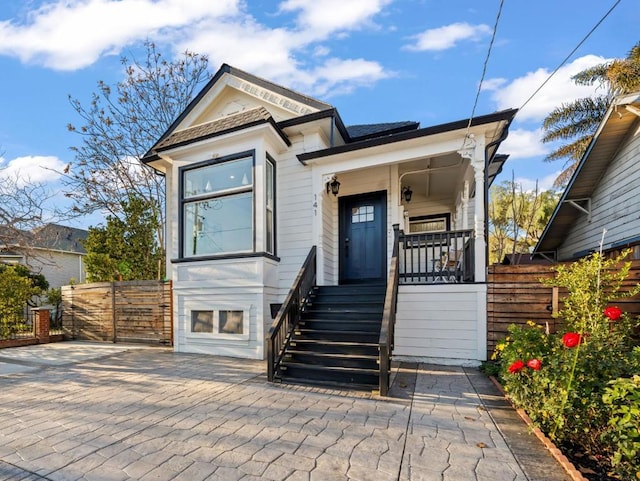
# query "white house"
(258, 174)
(53, 250)
(603, 192)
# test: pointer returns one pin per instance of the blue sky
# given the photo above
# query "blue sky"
(375, 60)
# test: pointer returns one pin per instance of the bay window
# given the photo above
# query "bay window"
(217, 207)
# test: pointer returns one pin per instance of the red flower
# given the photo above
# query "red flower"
(516, 366)
(571, 339)
(613, 313)
(534, 364)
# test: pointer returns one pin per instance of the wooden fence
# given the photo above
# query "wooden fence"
(515, 295)
(132, 311)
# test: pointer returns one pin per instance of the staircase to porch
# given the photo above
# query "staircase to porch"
(336, 341)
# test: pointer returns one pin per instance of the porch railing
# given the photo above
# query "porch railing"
(288, 316)
(387, 329)
(438, 257)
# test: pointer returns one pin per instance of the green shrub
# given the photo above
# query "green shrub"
(559, 379)
(622, 399)
(15, 291)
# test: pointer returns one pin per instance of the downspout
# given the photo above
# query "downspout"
(487, 161)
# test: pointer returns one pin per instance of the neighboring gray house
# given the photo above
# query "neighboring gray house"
(603, 192)
(53, 250)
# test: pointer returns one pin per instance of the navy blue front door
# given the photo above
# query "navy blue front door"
(363, 247)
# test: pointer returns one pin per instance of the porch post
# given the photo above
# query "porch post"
(473, 149)
(465, 206)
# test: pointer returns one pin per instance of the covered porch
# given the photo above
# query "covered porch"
(436, 202)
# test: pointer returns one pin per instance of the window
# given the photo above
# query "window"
(220, 323)
(217, 203)
(230, 322)
(270, 189)
(362, 214)
(429, 223)
(201, 321)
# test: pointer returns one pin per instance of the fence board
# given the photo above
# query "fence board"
(132, 311)
(515, 295)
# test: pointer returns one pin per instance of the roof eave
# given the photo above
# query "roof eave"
(542, 244)
(504, 115)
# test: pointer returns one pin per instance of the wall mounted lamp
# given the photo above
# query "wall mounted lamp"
(407, 193)
(333, 185)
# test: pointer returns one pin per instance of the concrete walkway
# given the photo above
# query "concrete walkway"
(77, 411)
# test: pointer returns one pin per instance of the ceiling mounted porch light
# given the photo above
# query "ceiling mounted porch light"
(407, 193)
(333, 185)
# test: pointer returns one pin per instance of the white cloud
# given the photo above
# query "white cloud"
(546, 183)
(72, 34)
(523, 144)
(560, 89)
(338, 76)
(446, 37)
(31, 169)
(326, 16)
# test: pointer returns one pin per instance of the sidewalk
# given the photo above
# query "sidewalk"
(126, 413)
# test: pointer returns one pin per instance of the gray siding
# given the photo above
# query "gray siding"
(614, 206)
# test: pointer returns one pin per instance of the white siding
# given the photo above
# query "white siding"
(443, 323)
(614, 206)
(234, 284)
(58, 267)
(294, 215)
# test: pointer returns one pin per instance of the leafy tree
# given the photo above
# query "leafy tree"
(17, 288)
(126, 248)
(517, 219)
(121, 123)
(576, 122)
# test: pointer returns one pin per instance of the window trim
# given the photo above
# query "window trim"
(269, 160)
(182, 201)
(418, 218)
(215, 318)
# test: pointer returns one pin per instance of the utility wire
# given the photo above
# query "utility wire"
(570, 54)
(484, 67)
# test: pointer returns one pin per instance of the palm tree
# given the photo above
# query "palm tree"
(577, 121)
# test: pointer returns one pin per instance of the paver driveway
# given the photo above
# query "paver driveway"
(151, 414)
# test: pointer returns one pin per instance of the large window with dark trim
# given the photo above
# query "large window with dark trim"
(217, 208)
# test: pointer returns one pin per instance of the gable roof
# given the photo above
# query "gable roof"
(50, 237)
(61, 238)
(230, 123)
(227, 69)
(611, 133)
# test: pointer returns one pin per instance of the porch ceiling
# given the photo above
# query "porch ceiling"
(435, 177)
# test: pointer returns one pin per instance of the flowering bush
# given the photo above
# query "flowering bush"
(560, 379)
(571, 339)
(613, 313)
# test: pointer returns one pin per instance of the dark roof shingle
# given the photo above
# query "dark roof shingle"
(216, 127)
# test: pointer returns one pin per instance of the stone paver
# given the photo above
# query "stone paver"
(151, 414)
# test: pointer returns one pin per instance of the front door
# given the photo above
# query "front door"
(363, 246)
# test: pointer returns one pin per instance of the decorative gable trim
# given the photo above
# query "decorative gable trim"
(278, 90)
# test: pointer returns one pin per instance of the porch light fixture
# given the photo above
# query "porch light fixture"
(407, 193)
(333, 185)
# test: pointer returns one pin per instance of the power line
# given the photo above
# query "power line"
(484, 66)
(571, 53)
